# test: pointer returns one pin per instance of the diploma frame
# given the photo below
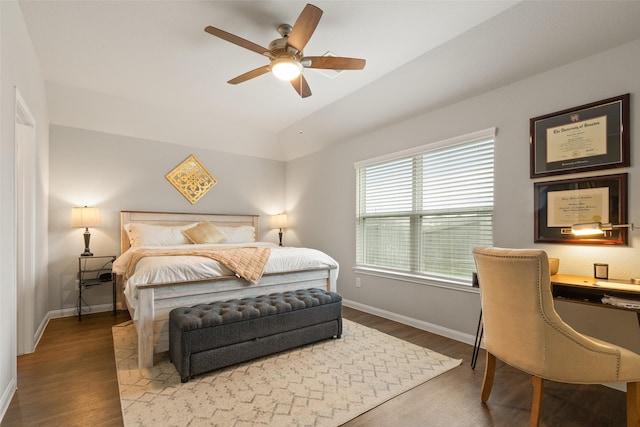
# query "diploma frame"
(615, 186)
(586, 138)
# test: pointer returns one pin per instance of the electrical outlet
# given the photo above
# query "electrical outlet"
(358, 282)
(77, 284)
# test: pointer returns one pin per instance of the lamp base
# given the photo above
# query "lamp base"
(280, 237)
(87, 237)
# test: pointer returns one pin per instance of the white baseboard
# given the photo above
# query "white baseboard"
(618, 386)
(7, 395)
(65, 312)
(40, 331)
(68, 312)
(420, 324)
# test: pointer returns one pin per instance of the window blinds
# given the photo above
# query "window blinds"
(422, 211)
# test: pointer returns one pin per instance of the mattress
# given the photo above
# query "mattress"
(186, 268)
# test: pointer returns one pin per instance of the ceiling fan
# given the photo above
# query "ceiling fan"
(287, 60)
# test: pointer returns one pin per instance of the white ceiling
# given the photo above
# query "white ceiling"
(147, 68)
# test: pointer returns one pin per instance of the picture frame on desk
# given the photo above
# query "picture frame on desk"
(601, 271)
(586, 138)
(560, 204)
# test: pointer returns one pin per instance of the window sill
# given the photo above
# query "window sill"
(435, 281)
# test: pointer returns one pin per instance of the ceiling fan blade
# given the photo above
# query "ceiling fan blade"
(237, 40)
(301, 86)
(249, 75)
(304, 27)
(334, 63)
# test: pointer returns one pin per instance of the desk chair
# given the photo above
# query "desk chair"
(522, 328)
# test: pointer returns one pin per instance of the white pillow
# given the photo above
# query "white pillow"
(242, 234)
(141, 234)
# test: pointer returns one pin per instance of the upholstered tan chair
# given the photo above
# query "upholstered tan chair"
(522, 328)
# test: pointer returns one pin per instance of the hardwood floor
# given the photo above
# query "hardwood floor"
(71, 381)
(453, 398)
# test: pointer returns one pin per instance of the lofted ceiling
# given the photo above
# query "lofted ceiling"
(148, 69)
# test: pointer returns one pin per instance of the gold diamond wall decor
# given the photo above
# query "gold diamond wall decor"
(191, 179)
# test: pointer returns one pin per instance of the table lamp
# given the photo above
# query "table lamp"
(279, 221)
(85, 217)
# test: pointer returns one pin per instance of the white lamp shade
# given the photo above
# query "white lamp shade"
(279, 221)
(85, 217)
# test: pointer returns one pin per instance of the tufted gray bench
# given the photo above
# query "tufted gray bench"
(211, 336)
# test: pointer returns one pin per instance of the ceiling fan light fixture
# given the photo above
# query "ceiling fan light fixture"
(287, 60)
(286, 68)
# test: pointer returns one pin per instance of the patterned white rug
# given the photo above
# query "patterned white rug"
(322, 384)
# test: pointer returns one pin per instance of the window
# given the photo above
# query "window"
(421, 211)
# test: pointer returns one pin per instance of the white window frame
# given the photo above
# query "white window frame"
(412, 273)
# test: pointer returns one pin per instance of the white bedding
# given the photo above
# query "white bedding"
(176, 269)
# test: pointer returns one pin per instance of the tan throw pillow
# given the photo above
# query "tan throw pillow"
(205, 232)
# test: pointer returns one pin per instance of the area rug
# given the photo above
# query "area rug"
(322, 384)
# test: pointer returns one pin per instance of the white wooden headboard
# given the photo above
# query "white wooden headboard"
(176, 218)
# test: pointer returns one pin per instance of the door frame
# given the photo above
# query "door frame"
(25, 223)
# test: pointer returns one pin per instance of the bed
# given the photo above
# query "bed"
(149, 295)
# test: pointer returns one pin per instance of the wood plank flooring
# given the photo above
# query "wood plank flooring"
(71, 381)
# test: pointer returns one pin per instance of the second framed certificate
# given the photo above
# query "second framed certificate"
(561, 204)
(585, 138)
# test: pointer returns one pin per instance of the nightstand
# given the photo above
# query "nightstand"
(95, 271)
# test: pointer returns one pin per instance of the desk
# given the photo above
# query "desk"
(581, 290)
(584, 290)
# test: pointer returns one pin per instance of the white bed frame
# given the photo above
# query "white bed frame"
(156, 301)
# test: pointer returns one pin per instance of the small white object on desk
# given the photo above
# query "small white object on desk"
(621, 302)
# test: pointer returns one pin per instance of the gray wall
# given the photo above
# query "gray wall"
(19, 69)
(321, 195)
(114, 173)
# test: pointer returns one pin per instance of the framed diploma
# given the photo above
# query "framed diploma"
(560, 204)
(585, 138)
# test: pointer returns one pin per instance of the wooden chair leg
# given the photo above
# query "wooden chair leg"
(633, 404)
(536, 401)
(489, 372)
